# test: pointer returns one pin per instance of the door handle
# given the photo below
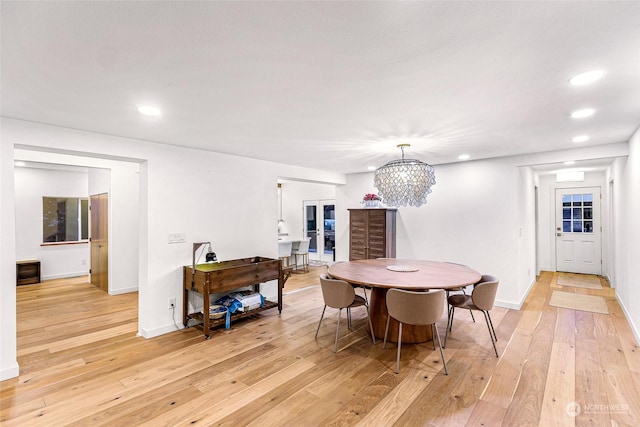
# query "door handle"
(559, 234)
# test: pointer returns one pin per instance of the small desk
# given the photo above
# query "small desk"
(373, 273)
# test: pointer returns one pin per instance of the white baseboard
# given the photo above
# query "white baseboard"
(123, 291)
(65, 275)
(10, 372)
(152, 333)
(634, 329)
(516, 305)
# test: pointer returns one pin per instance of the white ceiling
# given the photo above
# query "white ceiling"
(331, 85)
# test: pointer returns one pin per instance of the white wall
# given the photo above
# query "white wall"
(626, 177)
(121, 181)
(31, 185)
(547, 213)
(8, 343)
(228, 200)
(294, 193)
(481, 213)
(470, 218)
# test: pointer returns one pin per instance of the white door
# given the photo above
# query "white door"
(578, 231)
(320, 226)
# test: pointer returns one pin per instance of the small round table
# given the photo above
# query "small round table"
(383, 274)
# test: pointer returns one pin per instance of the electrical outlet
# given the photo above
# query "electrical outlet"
(172, 303)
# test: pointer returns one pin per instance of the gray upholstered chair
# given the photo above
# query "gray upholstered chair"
(340, 294)
(415, 308)
(481, 299)
(364, 288)
(462, 289)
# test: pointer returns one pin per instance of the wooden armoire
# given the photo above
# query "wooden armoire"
(372, 233)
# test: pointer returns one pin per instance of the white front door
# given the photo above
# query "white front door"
(578, 231)
(319, 226)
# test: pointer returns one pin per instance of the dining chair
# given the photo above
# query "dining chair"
(481, 299)
(462, 289)
(340, 294)
(364, 288)
(415, 308)
(302, 250)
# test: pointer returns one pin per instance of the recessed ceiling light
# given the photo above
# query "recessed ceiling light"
(371, 168)
(580, 114)
(19, 163)
(464, 157)
(581, 138)
(586, 78)
(148, 110)
(570, 162)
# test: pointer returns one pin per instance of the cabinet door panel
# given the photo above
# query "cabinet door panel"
(377, 234)
(358, 236)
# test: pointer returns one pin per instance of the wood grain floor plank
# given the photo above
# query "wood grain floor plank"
(82, 364)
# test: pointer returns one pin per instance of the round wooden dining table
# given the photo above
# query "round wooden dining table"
(383, 274)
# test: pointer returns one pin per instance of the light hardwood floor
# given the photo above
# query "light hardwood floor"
(82, 364)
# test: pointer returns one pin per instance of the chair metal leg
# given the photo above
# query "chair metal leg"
(486, 318)
(399, 346)
(449, 326)
(470, 311)
(349, 318)
(434, 330)
(492, 328)
(335, 347)
(325, 307)
(366, 300)
(370, 325)
(386, 330)
(433, 339)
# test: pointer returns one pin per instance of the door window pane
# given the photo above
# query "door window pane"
(312, 228)
(577, 213)
(329, 229)
(577, 200)
(588, 213)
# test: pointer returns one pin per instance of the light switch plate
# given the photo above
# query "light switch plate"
(176, 238)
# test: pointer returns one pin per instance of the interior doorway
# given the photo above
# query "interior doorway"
(320, 226)
(578, 230)
(99, 241)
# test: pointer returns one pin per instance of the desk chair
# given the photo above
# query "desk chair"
(340, 294)
(481, 299)
(415, 308)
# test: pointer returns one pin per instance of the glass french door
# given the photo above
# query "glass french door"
(320, 227)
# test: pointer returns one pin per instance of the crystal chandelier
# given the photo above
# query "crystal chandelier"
(405, 181)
